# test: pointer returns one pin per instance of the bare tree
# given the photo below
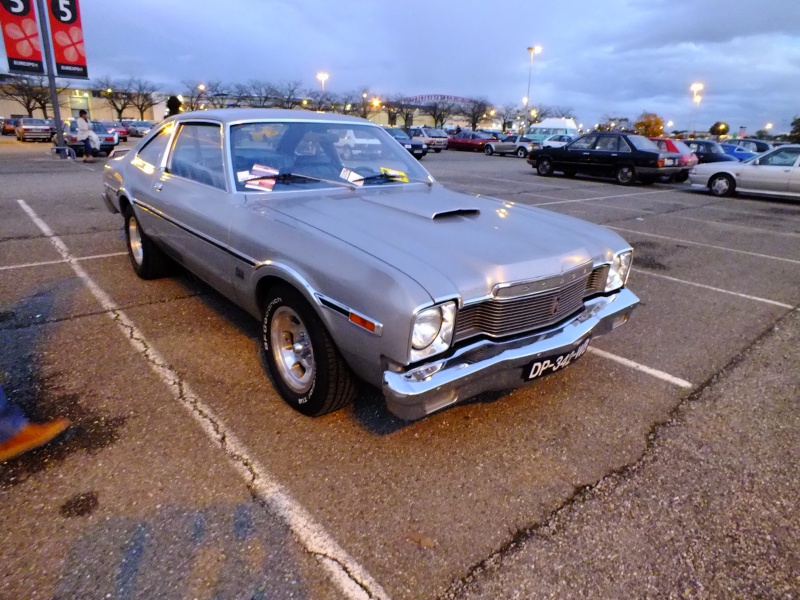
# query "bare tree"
(318, 101)
(117, 93)
(439, 111)
(396, 106)
(563, 112)
(241, 94)
(193, 96)
(217, 94)
(541, 111)
(368, 104)
(31, 92)
(475, 111)
(261, 93)
(287, 94)
(348, 103)
(145, 95)
(507, 114)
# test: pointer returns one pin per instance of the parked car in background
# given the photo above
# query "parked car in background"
(357, 142)
(688, 158)
(624, 156)
(417, 149)
(139, 128)
(468, 140)
(755, 146)
(37, 130)
(738, 152)
(557, 140)
(439, 311)
(117, 126)
(708, 151)
(518, 145)
(773, 173)
(10, 126)
(108, 139)
(435, 139)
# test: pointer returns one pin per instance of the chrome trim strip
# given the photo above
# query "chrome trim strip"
(513, 290)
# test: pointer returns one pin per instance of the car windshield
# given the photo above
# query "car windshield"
(141, 124)
(398, 134)
(436, 133)
(33, 122)
(281, 156)
(642, 143)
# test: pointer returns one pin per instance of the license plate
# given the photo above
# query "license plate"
(552, 364)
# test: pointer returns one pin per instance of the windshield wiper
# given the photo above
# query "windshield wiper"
(299, 178)
(382, 177)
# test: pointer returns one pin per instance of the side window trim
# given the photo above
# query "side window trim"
(166, 164)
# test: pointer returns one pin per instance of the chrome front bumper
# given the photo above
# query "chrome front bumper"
(487, 365)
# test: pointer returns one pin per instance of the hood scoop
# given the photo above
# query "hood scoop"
(455, 212)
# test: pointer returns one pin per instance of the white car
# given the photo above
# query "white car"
(357, 142)
(512, 144)
(435, 139)
(557, 140)
(774, 173)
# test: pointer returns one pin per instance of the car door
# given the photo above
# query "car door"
(507, 144)
(794, 178)
(771, 172)
(197, 205)
(605, 157)
(576, 156)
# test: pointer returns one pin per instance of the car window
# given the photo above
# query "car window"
(624, 146)
(583, 143)
(153, 150)
(642, 143)
(608, 143)
(681, 147)
(197, 154)
(785, 157)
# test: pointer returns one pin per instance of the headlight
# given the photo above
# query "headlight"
(424, 146)
(619, 270)
(432, 330)
(407, 146)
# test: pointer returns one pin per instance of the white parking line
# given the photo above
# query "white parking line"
(62, 261)
(672, 239)
(644, 369)
(352, 579)
(715, 289)
(747, 213)
(758, 229)
(615, 196)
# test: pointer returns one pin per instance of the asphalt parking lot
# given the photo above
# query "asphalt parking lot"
(663, 464)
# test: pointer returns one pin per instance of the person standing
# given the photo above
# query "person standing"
(85, 134)
(18, 435)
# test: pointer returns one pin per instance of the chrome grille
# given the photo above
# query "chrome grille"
(517, 308)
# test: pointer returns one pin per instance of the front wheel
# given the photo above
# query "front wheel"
(488, 150)
(437, 150)
(544, 167)
(522, 153)
(625, 175)
(302, 360)
(721, 185)
(147, 259)
(681, 177)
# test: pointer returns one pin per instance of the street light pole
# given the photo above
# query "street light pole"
(695, 88)
(323, 77)
(531, 50)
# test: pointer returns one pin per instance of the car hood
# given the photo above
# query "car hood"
(451, 243)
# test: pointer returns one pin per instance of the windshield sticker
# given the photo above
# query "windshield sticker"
(351, 176)
(399, 175)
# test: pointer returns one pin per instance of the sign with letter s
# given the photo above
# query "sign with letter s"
(66, 33)
(21, 36)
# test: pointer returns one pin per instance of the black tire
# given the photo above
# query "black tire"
(302, 361)
(488, 150)
(522, 153)
(625, 175)
(721, 185)
(437, 150)
(681, 177)
(544, 166)
(147, 259)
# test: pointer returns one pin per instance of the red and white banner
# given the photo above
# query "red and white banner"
(21, 35)
(66, 33)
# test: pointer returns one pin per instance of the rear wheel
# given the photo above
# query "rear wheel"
(721, 185)
(544, 166)
(302, 360)
(522, 153)
(625, 175)
(681, 177)
(147, 259)
(488, 150)
(437, 150)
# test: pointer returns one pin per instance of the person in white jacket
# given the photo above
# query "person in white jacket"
(88, 136)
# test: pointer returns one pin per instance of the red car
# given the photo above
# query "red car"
(120, 128)
(688, 158)
(469, 140)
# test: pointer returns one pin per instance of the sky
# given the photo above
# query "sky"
(601, 58)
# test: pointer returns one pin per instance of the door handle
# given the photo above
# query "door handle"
(159, 186)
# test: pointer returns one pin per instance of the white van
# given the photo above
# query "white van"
(552, 126)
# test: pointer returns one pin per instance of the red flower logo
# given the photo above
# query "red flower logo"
(72, 44)
(27, 35)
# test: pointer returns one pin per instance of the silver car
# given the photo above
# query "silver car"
(365, 268)
(774, 173)
(519, 145)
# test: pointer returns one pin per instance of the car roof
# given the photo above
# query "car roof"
(235, 115)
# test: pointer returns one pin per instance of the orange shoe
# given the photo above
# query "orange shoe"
(31, 436)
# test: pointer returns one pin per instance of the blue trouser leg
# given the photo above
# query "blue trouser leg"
(11, 418)
(87, 147)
